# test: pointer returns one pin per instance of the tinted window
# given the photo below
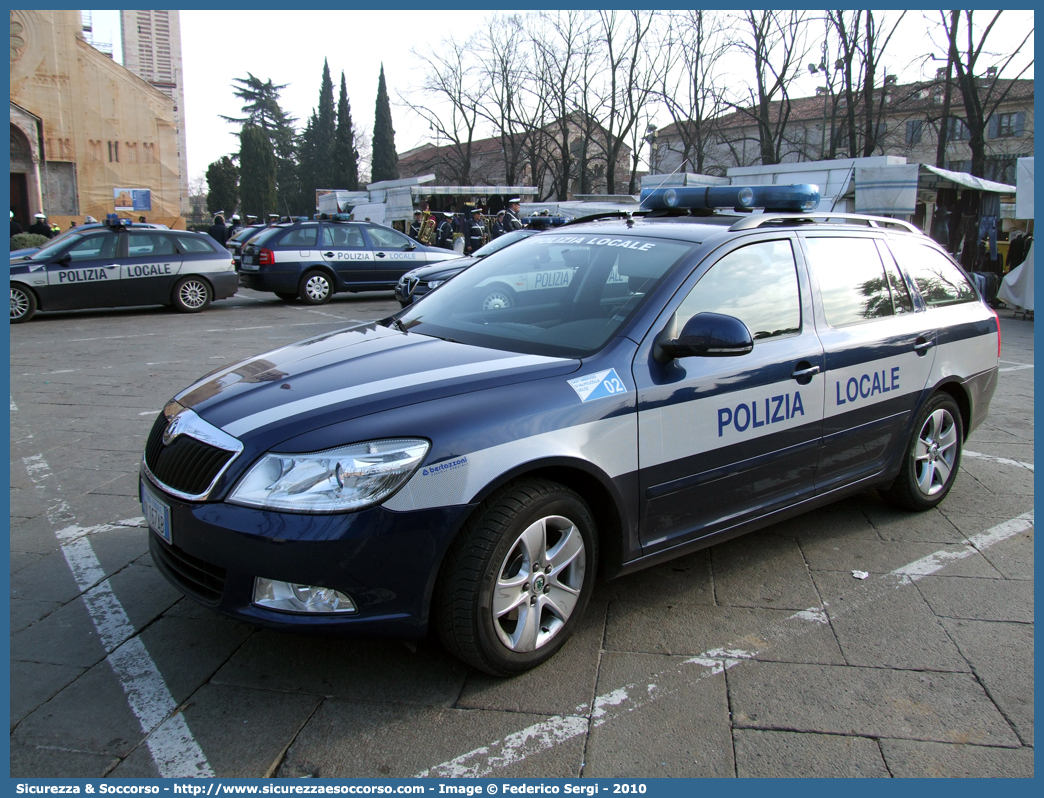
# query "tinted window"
(342, 236)
(300, 237)
(901, 299)
(938, 278)
(193, 244)
(100, 245)
(757, 284)
(386, 238)
(142, 245)
(852, 281)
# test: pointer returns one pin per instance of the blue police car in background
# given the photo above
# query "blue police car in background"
(312, 260)
(120, 264)
(686, 376)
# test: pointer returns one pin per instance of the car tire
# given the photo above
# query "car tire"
(932, 456)
(23, 304)
(315, 288)
(191, 294)
(497, 605)
(498, 296)
(286, 296)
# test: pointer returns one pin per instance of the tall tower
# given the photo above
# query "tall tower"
(152, 51)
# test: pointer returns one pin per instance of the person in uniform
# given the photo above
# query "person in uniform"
(88, 219)
(512, 220)
(473, 231)
(40, 226)
(497, 230)
(234, 226)
(218, 231)
(16, 228)
(416, 225)
(445, 233)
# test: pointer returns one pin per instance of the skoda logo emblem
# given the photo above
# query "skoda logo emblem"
(538, 584)
(171, 431)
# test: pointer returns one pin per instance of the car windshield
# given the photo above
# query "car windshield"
(554, 294)
(499, 243)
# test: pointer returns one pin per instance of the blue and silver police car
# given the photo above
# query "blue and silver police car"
(313, 260)
(687, 376)
(120, 264)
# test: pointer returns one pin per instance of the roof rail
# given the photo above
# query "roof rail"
(760, 219)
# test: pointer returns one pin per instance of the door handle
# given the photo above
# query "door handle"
(379, 254)
(328, 254)
(923, 345)
(805, 374)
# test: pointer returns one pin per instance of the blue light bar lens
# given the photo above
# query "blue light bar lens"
(802, 197)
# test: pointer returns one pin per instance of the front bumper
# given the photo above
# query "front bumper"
(386, 561)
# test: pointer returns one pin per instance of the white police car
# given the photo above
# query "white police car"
(474, 469)
(312, 260)
(121, 264)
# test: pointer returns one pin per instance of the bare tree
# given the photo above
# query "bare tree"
(981, 97)
(689, 85)
(504, 67)
(776, 42)
(454, 93)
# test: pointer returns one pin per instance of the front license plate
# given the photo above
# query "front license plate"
(157, 514)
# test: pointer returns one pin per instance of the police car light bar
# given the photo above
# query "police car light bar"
(803, 197)
(112, 220)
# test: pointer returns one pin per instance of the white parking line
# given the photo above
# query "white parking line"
(173, 748)
(514, 748)
(1001, 460)
(1016, 366)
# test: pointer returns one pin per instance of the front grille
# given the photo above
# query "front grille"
(186, 464)
(198, 578)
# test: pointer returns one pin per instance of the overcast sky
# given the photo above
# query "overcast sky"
(289, 47)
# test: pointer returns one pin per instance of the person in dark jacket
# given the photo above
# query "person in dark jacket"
(445, 232)
(417, 225)
(497, 230)
(15, 227)
(218, 231)
(473, 232)
(40, 226)
(512, 221)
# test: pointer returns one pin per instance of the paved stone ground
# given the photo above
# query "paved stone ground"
(759, 657)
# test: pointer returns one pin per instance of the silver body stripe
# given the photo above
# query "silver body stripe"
(406, 381)
(679, 430)
(609, 444)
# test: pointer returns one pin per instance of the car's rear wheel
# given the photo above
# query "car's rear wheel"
(932, 457)
(191, 294)
(518, 577)
(286, 296)
(315, 288)
(498, 296)
(23, 304)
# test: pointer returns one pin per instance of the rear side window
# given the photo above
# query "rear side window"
(852, 280)
(938, 278)
(301, 237)
(757, 284)
(193, 244)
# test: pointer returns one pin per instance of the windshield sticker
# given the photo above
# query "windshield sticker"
(445, 465)
(596, 241)
(598, 385)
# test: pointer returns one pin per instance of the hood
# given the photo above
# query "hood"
(352, 373)
(445, 269)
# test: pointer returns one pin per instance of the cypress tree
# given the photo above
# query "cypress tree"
(385, 159)
(222, 185)
(257, 166)
(346, 157)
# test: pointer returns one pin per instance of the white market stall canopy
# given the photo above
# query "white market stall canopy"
(893, 189)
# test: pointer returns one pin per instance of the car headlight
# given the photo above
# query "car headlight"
(332, 481)
(435, 283)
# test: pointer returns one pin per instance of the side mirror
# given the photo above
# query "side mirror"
(708, 335)
(411, 247)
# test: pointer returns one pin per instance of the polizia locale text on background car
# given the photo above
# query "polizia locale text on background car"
(666, 382)
(120, 264)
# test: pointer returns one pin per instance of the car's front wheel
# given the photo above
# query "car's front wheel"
(497, 297)
(315, 288)
(932, 457)
(23, 304)
(191, 294)
(517, 579)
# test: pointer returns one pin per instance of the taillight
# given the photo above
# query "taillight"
(266, 257)
(998, 331)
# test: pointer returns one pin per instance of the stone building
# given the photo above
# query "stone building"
(908, 125)
(83, 126)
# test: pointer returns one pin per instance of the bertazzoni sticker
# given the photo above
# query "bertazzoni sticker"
(598, 385)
